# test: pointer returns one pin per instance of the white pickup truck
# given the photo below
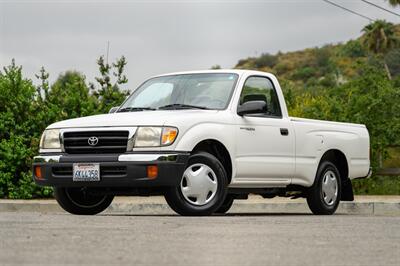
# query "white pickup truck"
(202, 139)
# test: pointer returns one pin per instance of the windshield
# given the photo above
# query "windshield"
(202, 91)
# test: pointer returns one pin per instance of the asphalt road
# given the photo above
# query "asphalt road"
(254, 239)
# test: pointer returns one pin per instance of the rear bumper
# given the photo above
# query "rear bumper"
(116, 170)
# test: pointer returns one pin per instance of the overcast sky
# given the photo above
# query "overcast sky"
(164, 36)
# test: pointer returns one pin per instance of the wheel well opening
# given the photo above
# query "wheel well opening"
(339, 160)
(217, 149)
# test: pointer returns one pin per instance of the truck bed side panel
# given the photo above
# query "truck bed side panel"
(314, 138)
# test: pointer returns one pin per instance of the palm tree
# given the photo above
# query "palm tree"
(394, 3)
(380, 38)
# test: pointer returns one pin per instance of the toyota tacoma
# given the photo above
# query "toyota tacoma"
(202, 139)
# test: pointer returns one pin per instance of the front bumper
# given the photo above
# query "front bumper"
(116, 170)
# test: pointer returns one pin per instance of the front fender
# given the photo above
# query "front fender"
(224, 133)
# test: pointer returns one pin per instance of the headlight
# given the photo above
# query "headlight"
(50, 139)
(155, 136)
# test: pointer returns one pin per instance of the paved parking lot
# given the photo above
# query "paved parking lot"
(253, 239)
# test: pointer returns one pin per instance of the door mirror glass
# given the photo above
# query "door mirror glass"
(113, 109)
(252, 107)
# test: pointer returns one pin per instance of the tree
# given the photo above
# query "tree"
(110, 94)
(393, 61)
(70, 97)
(216, 67)
(394, 3)
(380, 39)
(43, 88)
(266, 60)
(20, 131)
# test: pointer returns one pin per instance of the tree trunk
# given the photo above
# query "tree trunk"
(387, 70)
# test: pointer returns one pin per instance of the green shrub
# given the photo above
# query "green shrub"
(26, 110)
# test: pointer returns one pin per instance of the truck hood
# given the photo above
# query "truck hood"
(142, 118)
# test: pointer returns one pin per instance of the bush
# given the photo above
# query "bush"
(19, 132)
(353, 49)
(393, 62)
(304, 73)
(266, 60)
(377, 185)
(26, 110)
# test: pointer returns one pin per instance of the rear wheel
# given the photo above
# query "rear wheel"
(80, 201)
(324, 196)
(202, 189)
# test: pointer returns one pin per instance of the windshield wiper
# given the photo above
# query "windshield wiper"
(182, 106)
(135, 109)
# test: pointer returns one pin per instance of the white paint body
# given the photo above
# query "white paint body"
(261, 157)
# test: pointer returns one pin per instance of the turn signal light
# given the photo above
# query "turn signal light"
(168, 135)
(38, 172)
(152, 171)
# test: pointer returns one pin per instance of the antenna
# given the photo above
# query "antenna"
(108, 50)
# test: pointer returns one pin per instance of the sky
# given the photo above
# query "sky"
(159, 37)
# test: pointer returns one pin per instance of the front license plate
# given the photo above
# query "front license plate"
(86, 172)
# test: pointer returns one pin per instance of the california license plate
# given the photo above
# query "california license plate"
(86, 172)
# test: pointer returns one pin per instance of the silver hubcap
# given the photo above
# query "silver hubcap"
(199, 184)
(329, 188)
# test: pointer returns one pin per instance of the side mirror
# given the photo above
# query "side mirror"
(252, 107)
(113, 109)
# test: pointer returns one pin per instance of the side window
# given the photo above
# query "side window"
(261, 89)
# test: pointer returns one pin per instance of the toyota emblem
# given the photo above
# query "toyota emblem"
(92, 141)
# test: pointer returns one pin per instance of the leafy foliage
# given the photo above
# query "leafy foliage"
(394, 3)
(109, 94)
(26, 110)
(379, 37)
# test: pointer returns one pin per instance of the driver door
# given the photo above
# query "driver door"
(265, 151)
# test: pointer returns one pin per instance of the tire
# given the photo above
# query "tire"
(323, 197)
(79, 201)
(226, 205)
(202, 189)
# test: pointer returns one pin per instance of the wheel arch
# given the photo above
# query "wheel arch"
(219, 150)
(339, 159)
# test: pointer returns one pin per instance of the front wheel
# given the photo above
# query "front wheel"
(226, 205)
(80, 201)
(324, 196)
(202, 189)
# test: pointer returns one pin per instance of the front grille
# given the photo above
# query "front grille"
(108, 142)
(105, 171)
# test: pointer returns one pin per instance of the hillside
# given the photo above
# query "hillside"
(326, 66)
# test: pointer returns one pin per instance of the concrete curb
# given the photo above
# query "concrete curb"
(147, 207)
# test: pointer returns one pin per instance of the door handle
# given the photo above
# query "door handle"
(284, 131)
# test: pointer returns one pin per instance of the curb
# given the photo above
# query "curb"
(151, 208)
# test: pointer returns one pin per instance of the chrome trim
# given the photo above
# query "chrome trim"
(369, 173)
(367, 176)
(131, 130)
(47, 159)
(147, 157)
(50, 150)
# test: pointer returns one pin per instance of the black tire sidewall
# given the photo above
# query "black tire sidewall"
(70, 206)
(179, 204)
(315, 198)
(225, 207)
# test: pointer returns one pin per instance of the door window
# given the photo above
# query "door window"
(261, 89)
